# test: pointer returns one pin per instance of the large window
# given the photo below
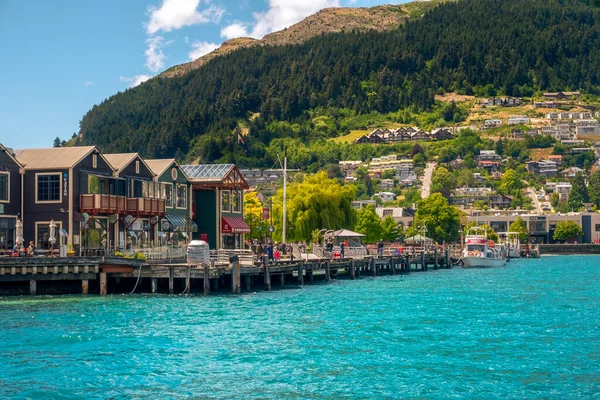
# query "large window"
(225, 201)
(48, 188)
(181, 196)
(168, 194)
(43, 235)
(236, 201)
(4, 182)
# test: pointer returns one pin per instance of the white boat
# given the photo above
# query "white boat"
(512, 243)
(481, 252)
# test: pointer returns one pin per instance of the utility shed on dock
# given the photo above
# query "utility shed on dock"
(218, 204)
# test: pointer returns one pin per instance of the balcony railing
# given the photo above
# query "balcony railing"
(103, 204)
(109, 204)
(146, 206)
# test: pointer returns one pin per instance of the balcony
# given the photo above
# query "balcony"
(146, 207)
(109, 204)
(103, 204)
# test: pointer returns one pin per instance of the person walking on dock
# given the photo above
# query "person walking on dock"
(380, 248)
(270, 252)
(342, 250)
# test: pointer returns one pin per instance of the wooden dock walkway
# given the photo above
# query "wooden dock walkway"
(119, 275)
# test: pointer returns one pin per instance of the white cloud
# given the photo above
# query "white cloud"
(186, 40)
(284, 13)
(88, 83)
(155, 58)
(235, 30)
(136, 80)
(201, 48)
(175, 14)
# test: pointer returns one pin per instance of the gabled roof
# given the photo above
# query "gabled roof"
(347, 233)
(159, 166)
(221, 175)
(10, 155)
(119, 161)
(53, 158)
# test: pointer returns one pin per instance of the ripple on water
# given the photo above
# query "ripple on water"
(530, 329)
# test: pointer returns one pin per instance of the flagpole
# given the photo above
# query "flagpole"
(284, 196)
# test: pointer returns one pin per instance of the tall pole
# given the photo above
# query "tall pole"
(284, 196)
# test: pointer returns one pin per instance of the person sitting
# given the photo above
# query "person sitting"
(31, 249)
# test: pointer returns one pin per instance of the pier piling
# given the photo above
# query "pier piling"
(171, 274)
(266, 272)
(206, 281)
(103, 283)
(282, 279)
(301, 274)
(188, 280)
(84, 286)
(327, 271)
(352, 270)
(423, 265)
(154, 285)
(32, 287)
(393, 265)
(374, 266)
(435, 258)
(248, 283)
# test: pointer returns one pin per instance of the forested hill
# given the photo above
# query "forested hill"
(519, 46)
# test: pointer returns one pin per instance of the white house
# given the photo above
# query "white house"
(385, 196)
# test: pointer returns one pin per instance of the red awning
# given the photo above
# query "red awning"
(234, 225)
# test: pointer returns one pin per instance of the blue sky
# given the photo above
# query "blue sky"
(59, 58)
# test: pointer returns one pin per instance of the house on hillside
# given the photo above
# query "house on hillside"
(441, 134)
(561, 95)
(518, 119)
(385, 196)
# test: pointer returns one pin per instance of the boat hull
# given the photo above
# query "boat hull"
(480, 262)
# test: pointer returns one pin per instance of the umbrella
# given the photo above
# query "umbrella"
(20, 239)
(52, 235)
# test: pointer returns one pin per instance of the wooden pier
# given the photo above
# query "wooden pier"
(119, 275)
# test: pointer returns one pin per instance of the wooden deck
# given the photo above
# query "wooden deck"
(119, 275)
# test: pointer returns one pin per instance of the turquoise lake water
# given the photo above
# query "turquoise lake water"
(528, 330)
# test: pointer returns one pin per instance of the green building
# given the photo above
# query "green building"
(218, 204)
(177, 225)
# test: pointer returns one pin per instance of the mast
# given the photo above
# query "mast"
(284, 196)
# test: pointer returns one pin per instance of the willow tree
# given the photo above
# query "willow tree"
(316, 202)
(253, 215)
(441, 219)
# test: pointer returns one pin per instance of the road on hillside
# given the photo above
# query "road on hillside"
(426, 188)
(536, 203)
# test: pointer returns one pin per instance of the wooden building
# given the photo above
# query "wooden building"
(218, 204)
(177, 224)
(10, 198)
(144, 197)
(53, 181)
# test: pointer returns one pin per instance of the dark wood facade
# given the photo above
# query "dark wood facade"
(10, 198)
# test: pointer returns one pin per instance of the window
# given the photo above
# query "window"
(42, 235)
(95, 161)
(4, 183)
(137, 167)
(387, 213)
(597, 227)
(168, 194)
(225, 202)
(174, 174)
(48, 188)
(236, 201)
(181, 196)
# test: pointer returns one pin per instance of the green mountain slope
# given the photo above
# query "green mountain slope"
(518, 46)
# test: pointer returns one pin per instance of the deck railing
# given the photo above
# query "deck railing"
(103, 204)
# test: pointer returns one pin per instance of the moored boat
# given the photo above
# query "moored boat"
(481, 252)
